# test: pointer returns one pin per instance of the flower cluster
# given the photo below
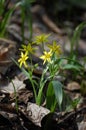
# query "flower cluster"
(54, 49)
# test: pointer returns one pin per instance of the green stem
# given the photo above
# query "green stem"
(41, 86)
(34, 90)
(15, 94)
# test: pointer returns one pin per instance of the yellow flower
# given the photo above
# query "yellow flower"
(27, 48)
(46, 56)
(41, 38)
(23, 59)
(55, 48)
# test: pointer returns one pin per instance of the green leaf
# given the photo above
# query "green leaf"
(73, 104)
(50, 97)
(72, 67)
(58, 91)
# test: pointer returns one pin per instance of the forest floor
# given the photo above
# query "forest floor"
(15, 88)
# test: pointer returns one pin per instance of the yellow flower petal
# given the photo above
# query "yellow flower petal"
(28, 48)
(55, 48)
(46, 57)
(41, 38)
(22, 59)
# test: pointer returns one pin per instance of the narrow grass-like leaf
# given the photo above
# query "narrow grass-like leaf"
(26, 16)
(6, 18)
(76, 36)
(15, 94)
(72, 67)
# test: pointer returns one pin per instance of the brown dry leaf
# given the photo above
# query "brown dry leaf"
(9, 88)
(73, 86)
(36, 113)
(7, 51)
(24, 95)
(82, 125)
